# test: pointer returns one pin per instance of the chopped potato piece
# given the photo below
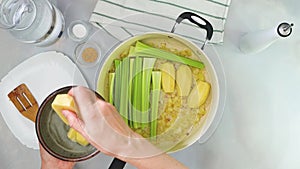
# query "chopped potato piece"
(198, 94)
(66, 102)
(72, 134)
(167, 77)
(81, 140)
(63, 102)
(184, 80)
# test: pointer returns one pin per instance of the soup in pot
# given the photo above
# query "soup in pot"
(160, 87)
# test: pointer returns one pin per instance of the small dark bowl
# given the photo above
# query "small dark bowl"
(52, 133)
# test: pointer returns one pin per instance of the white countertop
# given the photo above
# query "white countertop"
(260, 128)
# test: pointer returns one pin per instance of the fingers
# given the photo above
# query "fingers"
(74, 121)
(81, 93)
(92, 109)
(86, 101)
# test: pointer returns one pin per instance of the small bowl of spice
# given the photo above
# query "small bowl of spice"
(87, 54)
(79, 30)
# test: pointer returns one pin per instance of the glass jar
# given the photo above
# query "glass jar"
(32, 21)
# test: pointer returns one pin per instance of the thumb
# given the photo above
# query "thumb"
(74, 121)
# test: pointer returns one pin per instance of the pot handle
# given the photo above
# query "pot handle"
(117, 164)
(199, 21)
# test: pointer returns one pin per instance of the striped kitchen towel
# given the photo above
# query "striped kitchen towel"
(124, 18)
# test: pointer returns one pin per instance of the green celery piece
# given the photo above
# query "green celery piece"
(124, 86)
(111, 83)
(137, 88)
(118, 80)
(131, 49)
(117, 63)
(142, 49)
(156, 87)
(148, 64)
(130, 91)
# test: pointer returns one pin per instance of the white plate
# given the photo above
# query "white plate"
(43, 74)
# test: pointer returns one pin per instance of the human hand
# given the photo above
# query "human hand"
(50, 162)
(100, 123)
(104, 128)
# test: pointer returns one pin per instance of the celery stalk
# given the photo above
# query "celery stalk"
(142, 49)
(117, 63)
(130, 91)
(156, 86)
(137, 88)
(131, 49)
(118, 80)
(148, 64)
(111, 83)
(124, 89)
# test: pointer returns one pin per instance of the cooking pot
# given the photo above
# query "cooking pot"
(208, 123)
(52, 134)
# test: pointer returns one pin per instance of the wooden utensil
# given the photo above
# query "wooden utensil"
(24, 101)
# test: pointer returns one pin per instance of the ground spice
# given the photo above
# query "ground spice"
(89, 55)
